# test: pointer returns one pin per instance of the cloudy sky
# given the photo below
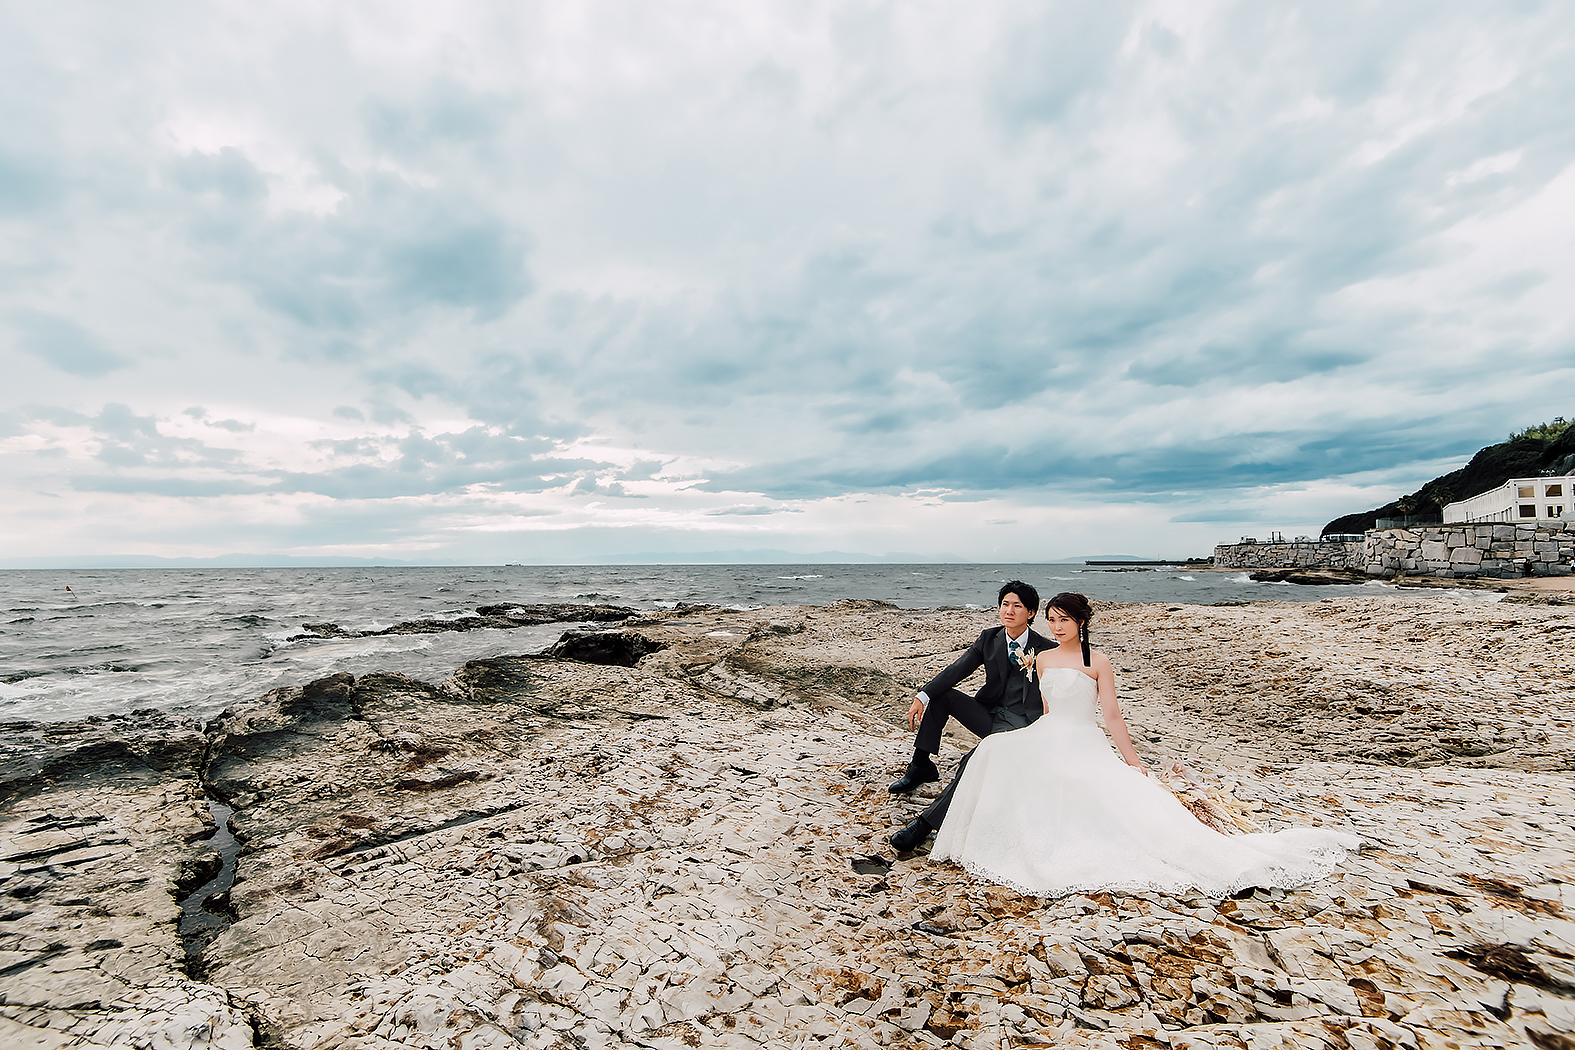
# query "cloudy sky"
(504, 281)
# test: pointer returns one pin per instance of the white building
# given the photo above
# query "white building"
(1527, 500)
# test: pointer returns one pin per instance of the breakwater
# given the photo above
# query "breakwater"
(1491, 549)
(1300, 554)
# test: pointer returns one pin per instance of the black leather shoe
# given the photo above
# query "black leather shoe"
(910, 836)
(917, 773)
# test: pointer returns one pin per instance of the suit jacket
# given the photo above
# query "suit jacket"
(989, 651)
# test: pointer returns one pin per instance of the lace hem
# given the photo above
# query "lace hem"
(1319, 863)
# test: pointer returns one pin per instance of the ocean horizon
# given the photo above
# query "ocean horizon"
(764, 556)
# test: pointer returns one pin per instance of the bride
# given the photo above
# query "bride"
(1050, 809)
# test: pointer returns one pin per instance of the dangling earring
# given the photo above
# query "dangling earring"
(1082, 634)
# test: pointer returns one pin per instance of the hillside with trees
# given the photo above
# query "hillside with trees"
(1546, 448)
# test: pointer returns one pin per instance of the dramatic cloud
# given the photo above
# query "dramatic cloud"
(64, 344)
(493, 281)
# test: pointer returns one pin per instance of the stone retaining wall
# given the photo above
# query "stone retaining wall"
(1306, 555)
(1495, 549)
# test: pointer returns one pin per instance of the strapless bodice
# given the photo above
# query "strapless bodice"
(1069, 695)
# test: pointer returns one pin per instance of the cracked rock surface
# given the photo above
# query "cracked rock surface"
(690, 852)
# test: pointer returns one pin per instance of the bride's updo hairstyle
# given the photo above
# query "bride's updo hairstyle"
(1076, 606)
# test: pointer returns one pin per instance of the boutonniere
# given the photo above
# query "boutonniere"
(1026, 659)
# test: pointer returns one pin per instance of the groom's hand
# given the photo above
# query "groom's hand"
(915, 712)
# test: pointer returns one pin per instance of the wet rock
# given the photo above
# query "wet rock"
(612, 648)
(530, 615)
(328, 697)
(195, 871)
(496, 617)
(324, 630)
(512, 679)
(36, 754)
(1308, 577)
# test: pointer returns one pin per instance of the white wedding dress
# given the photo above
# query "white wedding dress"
(1052, 809)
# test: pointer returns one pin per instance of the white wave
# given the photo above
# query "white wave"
(27, 687)
(1470, 594)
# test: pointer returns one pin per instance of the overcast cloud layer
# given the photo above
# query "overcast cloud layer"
(499, 281)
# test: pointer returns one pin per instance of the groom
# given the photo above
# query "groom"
(1007, 701)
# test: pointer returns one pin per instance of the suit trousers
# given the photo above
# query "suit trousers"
(935, 813)
(954, 703)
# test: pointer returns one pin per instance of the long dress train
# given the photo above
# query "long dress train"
(1052, 809)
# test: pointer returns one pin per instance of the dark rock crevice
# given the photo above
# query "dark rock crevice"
(205, 906)
(612, 648)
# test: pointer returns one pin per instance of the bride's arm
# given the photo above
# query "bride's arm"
(1040, 663)
(1115, 725)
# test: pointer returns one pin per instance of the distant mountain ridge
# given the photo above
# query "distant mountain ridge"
(1549, 447)
(222, 561)
(281, 561)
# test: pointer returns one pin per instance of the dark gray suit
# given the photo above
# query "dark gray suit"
(1009, 700)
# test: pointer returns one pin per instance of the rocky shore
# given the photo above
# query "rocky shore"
(671, 834)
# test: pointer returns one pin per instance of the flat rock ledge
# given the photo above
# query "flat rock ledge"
(690, 852)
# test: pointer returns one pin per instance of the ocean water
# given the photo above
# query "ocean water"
(195, 641)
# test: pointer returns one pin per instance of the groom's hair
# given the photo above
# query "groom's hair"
(1026, 593)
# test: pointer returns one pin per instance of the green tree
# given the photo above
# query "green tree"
(1546, 446)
